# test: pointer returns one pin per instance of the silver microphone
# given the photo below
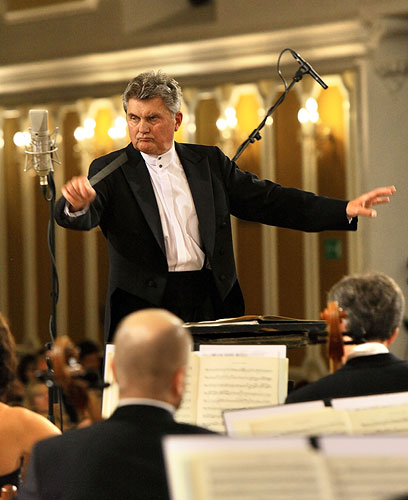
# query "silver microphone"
(41, 147)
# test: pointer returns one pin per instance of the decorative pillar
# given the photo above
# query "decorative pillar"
(384, 87)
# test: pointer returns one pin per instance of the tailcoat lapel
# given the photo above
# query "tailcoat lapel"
(137, 175)
(198, 176)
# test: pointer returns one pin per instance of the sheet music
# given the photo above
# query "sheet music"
(367, 467)
(223, 322)
(372, 401)
(389, 419)
(221, 468)
(307, 422)
(283, 380)
(270, 351)
(378, 413)
(238, 422)
(249, 319)
(261, 475)
(234, 382)
(273, 351)
(343, 468)
(187, 411)
(110, 396)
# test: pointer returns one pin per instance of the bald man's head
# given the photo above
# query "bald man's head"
(151, 346)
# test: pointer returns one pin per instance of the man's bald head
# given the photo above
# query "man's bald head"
(150, 348)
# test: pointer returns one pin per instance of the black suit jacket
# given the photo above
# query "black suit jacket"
(120, 458)
(126, 210)
(360, 376)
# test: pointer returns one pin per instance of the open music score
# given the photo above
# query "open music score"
(216, 382)
(374, 414)
(304, 419)
(352, 416)
(287, 468)
(367, 467)
(111, 393)
(255, 469)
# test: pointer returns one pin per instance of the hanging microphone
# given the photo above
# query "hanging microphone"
(41, 147)
(308, 68)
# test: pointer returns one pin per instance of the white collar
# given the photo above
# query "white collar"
(368, 349)
(164, 159)
(148, 402)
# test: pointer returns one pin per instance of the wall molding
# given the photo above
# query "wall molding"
(38, 13)
(329, 42)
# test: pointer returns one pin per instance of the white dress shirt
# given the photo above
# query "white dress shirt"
(177, 211)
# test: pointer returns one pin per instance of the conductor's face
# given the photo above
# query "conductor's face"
(151, 125)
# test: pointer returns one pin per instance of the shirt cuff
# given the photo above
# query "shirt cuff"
(75, 214)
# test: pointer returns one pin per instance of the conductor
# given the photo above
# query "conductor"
(165, 212)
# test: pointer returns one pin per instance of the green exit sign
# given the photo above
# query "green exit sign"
(332, 249)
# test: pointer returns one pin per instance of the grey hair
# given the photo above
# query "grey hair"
(154, 84)
(373, 302)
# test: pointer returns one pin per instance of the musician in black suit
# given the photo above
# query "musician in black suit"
(374, 307)
(166, 212)
(121, 458)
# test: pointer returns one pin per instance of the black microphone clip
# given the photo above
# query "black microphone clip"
(307, 68)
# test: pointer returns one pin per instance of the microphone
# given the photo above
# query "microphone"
(308, 68)
(41, 147)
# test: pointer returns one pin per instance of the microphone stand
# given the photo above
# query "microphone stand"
(54, 394)
(49, 196)
(47, 185)
(255, 135)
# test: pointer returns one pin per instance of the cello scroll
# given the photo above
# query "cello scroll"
(333, 315)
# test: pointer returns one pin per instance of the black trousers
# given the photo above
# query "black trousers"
(190, 295)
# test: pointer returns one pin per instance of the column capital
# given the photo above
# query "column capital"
(389, 49)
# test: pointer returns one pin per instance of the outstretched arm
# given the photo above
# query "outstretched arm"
(362, 205)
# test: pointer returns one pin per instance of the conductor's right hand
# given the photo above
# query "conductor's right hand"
(79, 193)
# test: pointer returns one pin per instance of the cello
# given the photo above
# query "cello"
(333, 315)
(69, 375)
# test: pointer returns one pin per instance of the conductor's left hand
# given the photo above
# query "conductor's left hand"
(362, 205)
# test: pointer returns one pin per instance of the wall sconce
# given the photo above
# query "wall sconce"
(119, 129)
(21, 139)
(229, 121)
(87, 131)
(309, 114)
(94, 141)
(312, 127)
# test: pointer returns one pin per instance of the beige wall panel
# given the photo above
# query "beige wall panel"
(249, 234)
(13, 171)
(333, 254)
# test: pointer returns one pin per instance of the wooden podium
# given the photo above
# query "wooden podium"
(259, 330)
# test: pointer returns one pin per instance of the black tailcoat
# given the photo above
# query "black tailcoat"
(127, 212)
